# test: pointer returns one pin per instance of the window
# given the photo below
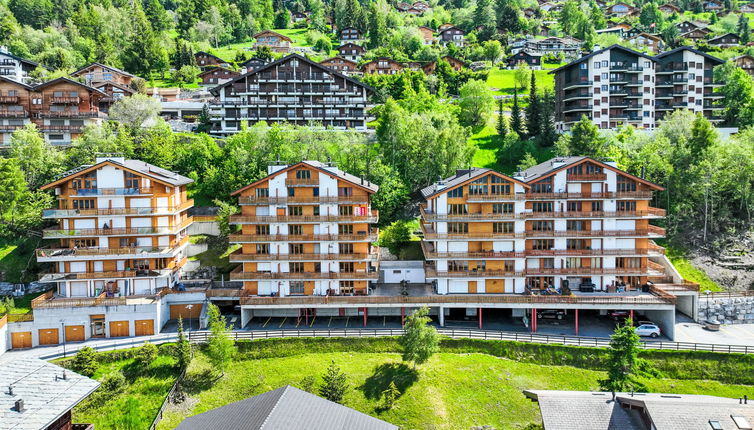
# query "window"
(345, 210)
(576, 244)
(477, 189)
(596, 206)
(296, 267)
(346, 267)
(543, 244)
(541, 207)
(296, 287)
(458, 209)
(502, 208)
(625, 206)
(458, 227)
(542, 225)
(572, 263)
(315, 211)
(345, 229)
(295, 248)
(85, 243)
(295, 230)
(458, 266)
(132, 181)
(455, 192)
(303, 174)
(574, 206)
(627, 262)
(509, 266)
(262, 192)
(501, 189)
(575, 225)
(84, 204)
(625, 184)
(263, 229)
(295, 210)
(502, 227)
(87, 181)
(346, 287)
(547, 263)
(542, 186)
(291, 192)
(345, 191)
(345, 248)
(263, 248)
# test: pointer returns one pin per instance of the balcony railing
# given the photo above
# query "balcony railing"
(50, 301)
(586, 177)
(69, 114)
(652, 232)
(109, 191)
(576, 252)
(253, 238)
(71, 253)
(245, 219)
(63, 213)
(589, 271)
(251, 200)
(432, 273)
(591, 195)
(9, 99)
(373, 256)
(239, 275)
(54, 233)
(651, 212)
(307, 182)
(4, 113)
(65, 100)
(494, 197)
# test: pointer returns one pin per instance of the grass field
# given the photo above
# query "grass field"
(452, 391)
(228, 52)
(489, 143)
(502, 82)
(677, 256)
(17, 261)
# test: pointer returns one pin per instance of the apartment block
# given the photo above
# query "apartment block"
(305, 230)
(15, 68)
(60, 108)
(121, 229)
(569, 222)
(617, 85)
(473, 240)
(293, 89)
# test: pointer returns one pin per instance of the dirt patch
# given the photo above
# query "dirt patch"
(729, 262)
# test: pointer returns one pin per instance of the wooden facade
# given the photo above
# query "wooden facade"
(382, 66)
(341, 65)
(305, 230)
(293, 89)
(217, 75)
(206, 60)
(275, 41)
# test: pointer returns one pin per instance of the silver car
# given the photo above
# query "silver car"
(650, 330)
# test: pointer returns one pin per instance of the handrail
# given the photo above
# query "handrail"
(237, 238)
(239, 256)
(94, 251)
(296, 199)
(242, 219)
(53, 212)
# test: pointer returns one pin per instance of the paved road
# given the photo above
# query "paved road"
(733, 334)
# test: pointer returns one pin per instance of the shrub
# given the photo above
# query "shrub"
(85, 361)
(146, 354)
(113, 382)
(307, 384)
(334, 384)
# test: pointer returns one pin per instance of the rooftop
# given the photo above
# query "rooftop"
(48, 391)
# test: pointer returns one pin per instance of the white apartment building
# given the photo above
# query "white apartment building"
(15, 68)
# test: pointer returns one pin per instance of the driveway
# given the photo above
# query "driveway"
(732, 334)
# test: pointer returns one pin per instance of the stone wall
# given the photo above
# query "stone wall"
(728, 310)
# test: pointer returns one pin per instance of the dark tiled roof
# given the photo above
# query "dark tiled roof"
(688, 48)
(284, 408)
(569, 410)
(592, 54)
(343, 175)
(461, 176)
(542, 169)
(114, 69)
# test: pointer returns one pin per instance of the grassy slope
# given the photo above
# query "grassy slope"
(453, 391)
(149, 388)
(217, 258)
(488, 142)
(16, 256)
(503, 81)
(677, 256)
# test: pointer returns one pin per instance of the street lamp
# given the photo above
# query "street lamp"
(62, 324)
(707, 292)
(188, 308)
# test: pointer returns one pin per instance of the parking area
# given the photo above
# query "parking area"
(687, 330)
(321, 323)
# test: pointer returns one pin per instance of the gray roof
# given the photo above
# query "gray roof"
(155, 172)
(343, 175)
(596, 411)
(461, 176)
(45, 397)
(284, 408)
(535, 172)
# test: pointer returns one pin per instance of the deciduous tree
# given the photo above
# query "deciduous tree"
(420, 340)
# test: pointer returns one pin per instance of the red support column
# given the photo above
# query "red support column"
(403, 315)
(365, 317)
(533, 320)
(631, 315)
(480, 318)
(306, 312)
(576, 313)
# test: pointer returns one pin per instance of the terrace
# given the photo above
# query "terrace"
(50, 300)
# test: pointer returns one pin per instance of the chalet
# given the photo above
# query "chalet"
(350, 35)
(40, 395)
(712, 6)
(217, 76)
(253, 63)
(696, 34)
(669, 8)
(427, 34)
(452, 34)
(298, 16)
(275, 41)
(206, 60)
(568, 47)
(726, 40)
(114, 92)
(16, 68)
(444, 26)
(342, 65)
(351, 51)
(517, 44)
(650, 41)
(620, 10)
(618, 31)
(747, 8)
(686, 26)
(382, 66)
(403, 6)
(421, 5)
(415, 11)
(96, 72)
(746, 62)
(454, 63)
(533, 59)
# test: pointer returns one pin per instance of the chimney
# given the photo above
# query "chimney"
(10, 390)
(4, 49)
(19, 405)
(643, 171)
(746, 399)
(596, 48)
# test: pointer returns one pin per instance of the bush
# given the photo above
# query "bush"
(146, 354)
(113, 382)
(85, 361)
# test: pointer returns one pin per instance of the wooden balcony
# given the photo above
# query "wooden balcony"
(433, 273)
(303, 182)
(245, 219)
(652, 231)
(597, 195)
(254, 238)
(240, 275)
(109, 191)
(65, 100)
(430, 253)
(69, 114)
(5, 113)
(586, 177)
(56, 254)
(254, 200)
(54, 233)
(9, 99)
(655, 251)
(373, 256)
(651, 212)
(48, 300)
(494, 197)
(587, 271)
(65, 213)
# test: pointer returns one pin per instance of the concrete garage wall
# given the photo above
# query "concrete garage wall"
(665, 320)
(728, 310)
(209, 228)
(687, 305)
(327, 312)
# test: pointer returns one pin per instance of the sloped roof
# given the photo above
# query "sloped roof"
(11, 81)
(461, 177)
(553, 165)
(46, 395)
(215, 69)
(282, 36)
(114, 69)
(284, 408)
(22, 60)
(688, 48)
(210, 55)
(323, 168)
(216, 90)
(157, 173)
(592, 54)
(345, 60)
(70, 81)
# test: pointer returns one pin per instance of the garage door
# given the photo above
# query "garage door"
(20, 340)
(144, 327)
(183, 311)
(118, 328)
(49, 336)
(74, 333)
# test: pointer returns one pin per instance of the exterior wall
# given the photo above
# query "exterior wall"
(218, 76)
(271, 94)
(13, 68)
(97, 73)
(382, 66)
(276, 42)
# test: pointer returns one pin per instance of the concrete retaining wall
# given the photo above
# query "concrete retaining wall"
(210, 228)
(728, 310)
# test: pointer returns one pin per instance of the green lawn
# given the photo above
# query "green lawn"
(677, 256)
(488, 144)
(228, 52)
(17, 259)
(502, 81)
(452, 391)
(147, 386)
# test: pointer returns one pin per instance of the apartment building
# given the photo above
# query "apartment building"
(342, 65)
(121, 229)
(292, 89)
(60, 108)
(305, 230)
(15, 68)
(473, 240)
(617, 85)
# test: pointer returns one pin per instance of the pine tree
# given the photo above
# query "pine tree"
(377, 25)
(502, 122)
(183, 348)
(547, 133)
(143, 52)
(744, 32)
(517, 123)
(334, 384)
(220, 346)
(533, 116)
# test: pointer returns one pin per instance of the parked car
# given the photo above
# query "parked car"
(551, 314)
(619, 315)
(643, 322)
(650, 330)
(587, 287)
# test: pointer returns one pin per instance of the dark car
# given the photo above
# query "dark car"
(551, 314)
(587, 287)
(619, 315)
